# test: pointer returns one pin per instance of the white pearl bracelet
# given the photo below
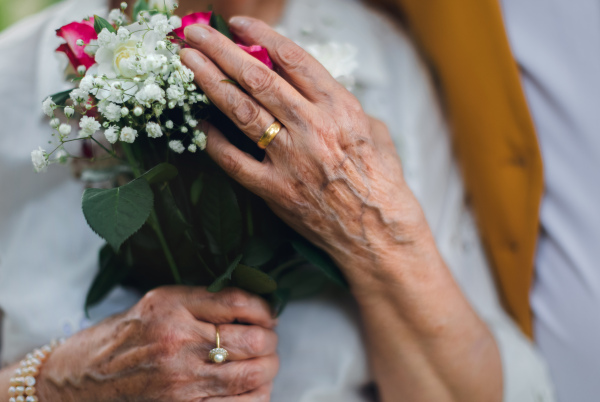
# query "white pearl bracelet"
(22, 383)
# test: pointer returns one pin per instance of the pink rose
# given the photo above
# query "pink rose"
(83, 30)
(259, 53)
(191, 19)
(256, 51)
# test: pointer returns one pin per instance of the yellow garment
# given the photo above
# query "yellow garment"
(466, 45)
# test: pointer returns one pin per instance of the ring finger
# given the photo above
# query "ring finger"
(242, 342)
(245, 112)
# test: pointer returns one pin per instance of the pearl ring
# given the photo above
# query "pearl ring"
(218, 354)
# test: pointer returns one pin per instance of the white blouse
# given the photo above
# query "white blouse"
(48, 255)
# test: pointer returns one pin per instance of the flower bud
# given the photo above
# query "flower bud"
(105, 124)
(80, 42)
(64, 129)
(169, 124)
(81, 70)
(123, 5)
(124, 111)
(88, 106)
(161, 45)
(69, 111)
(191, 87)
(138, 111)
(172, 104)
(184, 129)
(54, 123)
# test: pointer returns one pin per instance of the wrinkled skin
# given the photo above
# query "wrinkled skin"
(158, 351)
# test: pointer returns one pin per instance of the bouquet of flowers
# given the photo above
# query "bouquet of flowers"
(167, 212)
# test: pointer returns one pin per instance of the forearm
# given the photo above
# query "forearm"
(424, 340)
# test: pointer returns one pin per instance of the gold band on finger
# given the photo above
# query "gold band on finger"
(218, 355)
(269, 134)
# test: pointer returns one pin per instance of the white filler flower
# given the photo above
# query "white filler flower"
(128, 134)
(48, 106)
(88, 126)
(39, 159)
(176, 146)
(112, 134)
(153, 130)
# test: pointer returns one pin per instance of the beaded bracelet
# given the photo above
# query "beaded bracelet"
(22, 383)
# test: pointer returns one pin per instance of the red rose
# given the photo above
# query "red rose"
(72, 32)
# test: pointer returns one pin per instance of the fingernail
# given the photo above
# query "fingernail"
(191, 58)
(196, 33)
(239, 23)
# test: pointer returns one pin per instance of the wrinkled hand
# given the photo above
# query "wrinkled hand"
(158, 351)
(332, 173)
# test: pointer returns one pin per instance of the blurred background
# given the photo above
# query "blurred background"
(12, 11)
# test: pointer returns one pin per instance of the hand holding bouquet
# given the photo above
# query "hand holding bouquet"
(168, 213)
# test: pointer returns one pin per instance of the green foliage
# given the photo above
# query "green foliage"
(112, 272)
(321, 260)
(253, 280)
(138, 7)
(117, 213)
(220, 215)
(225, 279)
(60, 98)
(218, 23)
(100, 23)
(160, 173)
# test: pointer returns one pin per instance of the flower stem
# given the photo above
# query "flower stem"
(153, 220)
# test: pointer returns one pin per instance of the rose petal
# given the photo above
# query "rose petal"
(191, 19)
(259, 52)
(71, 33)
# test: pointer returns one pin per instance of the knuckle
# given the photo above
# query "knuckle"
(249, 377)
(257, 78)
(246, 112)
(289, 55)
(235, 298)
(256, 340)
(230, 163)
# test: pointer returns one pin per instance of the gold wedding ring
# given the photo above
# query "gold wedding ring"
(269, 134)
(218, 355)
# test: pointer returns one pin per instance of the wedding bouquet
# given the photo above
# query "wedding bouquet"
(167, 212)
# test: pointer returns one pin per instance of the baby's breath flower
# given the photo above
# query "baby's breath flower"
(169, 124)
(64, 129)
(81, 70)
(192, 122)
(123, 34)
(80, 42)
(48, 106)
(78, 96)
(61, 156)
(161, 45)
(175, 21)
(200, 140)
(124, 111)
(138, 110)
(192, 148)
(69, 111)
(111, 111)
(184, 129)
(112, 134)
(55, 122)
(87, 83)
(88, 126)
(176, 146)
(39, 159)
(123, 5)
(153, 130)
(128, 134)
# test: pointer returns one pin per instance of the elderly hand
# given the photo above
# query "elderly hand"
(158, 351)
(332, 172)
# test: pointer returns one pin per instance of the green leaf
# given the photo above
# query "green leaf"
(321, 260)
(117, 213)
(60, 98)
(139, 6)
(111, 273)
(100, 23)
(302, 282)
(220, 215)
(223, 280)
(253, 280)
(160, 173)
(257, 251)
(218, 23)
(279, 300)
(196, 189)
